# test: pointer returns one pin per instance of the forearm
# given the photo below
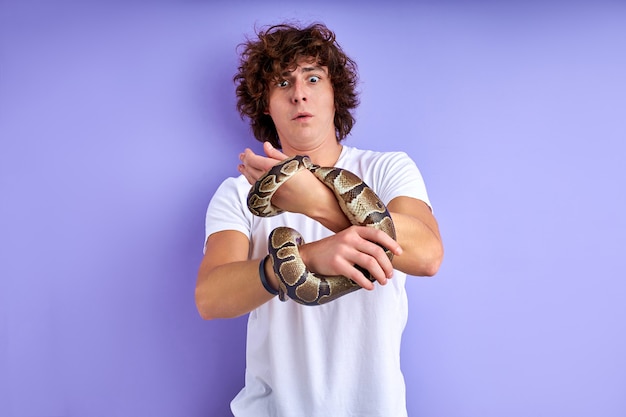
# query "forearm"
(232, 289)
(228, 282)
(328, 213)
(422, 248)
(318, 202)
(417, 232)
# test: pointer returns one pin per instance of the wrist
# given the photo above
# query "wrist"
(329, 214)
(268, 279)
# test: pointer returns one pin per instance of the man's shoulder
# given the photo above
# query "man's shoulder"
(239, 183)
(232, 188)
(353, 155)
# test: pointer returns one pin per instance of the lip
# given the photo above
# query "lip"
(302, 116)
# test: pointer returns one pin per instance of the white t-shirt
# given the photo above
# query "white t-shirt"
(340, 359)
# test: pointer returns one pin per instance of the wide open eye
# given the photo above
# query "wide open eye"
(313, 79)
(282, 83)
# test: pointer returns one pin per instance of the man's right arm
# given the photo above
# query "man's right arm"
(228, 282)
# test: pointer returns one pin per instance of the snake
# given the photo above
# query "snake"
(357, 201)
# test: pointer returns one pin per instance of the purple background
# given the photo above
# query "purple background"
(117, 123)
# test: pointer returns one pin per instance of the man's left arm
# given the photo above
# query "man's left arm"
(418, 234)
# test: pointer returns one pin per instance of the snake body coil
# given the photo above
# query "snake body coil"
(358, 202)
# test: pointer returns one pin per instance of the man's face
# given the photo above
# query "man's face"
(301, 104)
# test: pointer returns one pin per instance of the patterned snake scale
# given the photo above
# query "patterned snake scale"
(359, 203)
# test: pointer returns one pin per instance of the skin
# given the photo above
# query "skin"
(301, 106)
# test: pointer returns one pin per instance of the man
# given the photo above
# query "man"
(342, 358)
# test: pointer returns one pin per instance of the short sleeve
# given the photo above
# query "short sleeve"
(398, 175)
(227, 209)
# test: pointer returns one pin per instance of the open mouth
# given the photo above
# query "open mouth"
(302, 116)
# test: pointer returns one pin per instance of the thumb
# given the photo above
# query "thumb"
(272, 152)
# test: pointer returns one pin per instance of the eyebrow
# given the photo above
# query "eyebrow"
(315, 68)
(305, 69)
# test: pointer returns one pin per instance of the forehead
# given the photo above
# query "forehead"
(304, 65)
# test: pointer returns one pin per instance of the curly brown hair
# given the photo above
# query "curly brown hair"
(279, 48)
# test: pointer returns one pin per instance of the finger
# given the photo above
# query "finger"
(340, 260)
(253, 162)
(251, 174)
(349, 271)
(355, 260)
(373, 258)
(249, 158)
(379, 237)
(372, 267)
(272, 152)
(258, 162)
(242, 169)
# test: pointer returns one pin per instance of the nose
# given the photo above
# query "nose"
(298, 92)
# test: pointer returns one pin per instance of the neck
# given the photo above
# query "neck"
(325, 155)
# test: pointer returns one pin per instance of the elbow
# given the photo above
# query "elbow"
(211, 308)
(201, 296)
(207, 308)
(207, 312)
(428, 264)
(206, 303)
(434, 262)
(431, 268)
(203, 309)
